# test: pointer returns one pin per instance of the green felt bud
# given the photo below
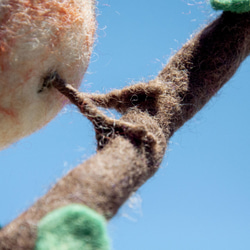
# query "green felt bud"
(72, 227)
(238, 6)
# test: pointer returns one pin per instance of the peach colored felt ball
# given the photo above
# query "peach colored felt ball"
(37, 38)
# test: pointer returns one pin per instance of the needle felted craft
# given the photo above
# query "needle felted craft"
(72, 227)
(238, 6)
(129, 150)
(37, 38)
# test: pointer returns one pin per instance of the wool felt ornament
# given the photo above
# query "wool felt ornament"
(238, 6)
(104, 182)
(72, 227)
(38, 38)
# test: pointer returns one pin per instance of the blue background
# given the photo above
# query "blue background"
(200, 197)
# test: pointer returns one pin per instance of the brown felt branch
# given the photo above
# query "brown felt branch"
(193, 75)
(158, 108)
(106, 128)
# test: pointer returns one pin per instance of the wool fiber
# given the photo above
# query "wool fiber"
(38, 38)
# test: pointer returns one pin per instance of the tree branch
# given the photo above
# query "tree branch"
(160, 107)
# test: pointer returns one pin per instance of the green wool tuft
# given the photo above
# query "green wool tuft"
(72, 227)
(238, 6)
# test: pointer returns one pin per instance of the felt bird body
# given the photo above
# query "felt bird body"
(38, 38)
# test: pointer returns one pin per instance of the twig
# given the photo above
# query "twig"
(161, 106)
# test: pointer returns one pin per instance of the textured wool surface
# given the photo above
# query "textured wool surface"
(72, 227)
(105, 181)
(37, 38)
(238, 6)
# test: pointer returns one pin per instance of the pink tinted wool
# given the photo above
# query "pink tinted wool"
(38, 37)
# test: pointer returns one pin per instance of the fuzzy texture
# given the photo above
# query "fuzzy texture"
(37, 38)
(106, 128)
(238, 6)
(72, 227)
(105, 181)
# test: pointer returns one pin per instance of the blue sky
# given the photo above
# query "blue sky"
(200, 197)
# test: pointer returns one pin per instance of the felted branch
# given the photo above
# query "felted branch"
(193, 75)
(160, 107)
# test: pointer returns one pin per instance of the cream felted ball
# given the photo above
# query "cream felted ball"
(38, 38)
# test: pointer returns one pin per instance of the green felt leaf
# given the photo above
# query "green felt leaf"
(238, 6)
(72, 227)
